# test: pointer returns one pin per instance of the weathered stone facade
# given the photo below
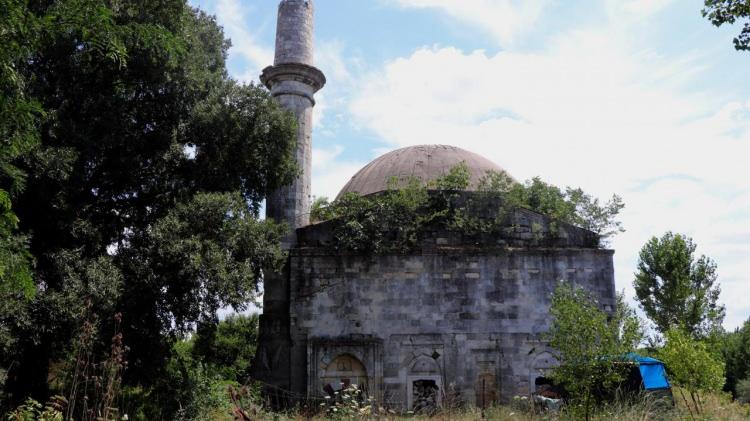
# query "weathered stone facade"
(463, 314)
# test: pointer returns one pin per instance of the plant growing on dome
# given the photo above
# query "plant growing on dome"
(394, 220)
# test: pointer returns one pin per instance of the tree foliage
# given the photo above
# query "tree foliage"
(569, 205)
(144, 167)
(589, 342)
(720, 12)
(228, 346)
(20, 116)
(736, 353)
(691, 365)
(675, 289)
(394, 220)
(743, 391)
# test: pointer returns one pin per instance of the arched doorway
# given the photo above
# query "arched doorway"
(541, 366)
(344, 371)
(424, 386)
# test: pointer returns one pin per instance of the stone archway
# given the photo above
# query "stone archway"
(540, 368)
(424, 385)
(344, 371)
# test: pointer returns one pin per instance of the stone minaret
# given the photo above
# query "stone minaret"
(293, 81)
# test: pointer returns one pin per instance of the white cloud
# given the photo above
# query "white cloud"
(232, 16)
(590, 111)
(330, 172)
(641, 8)
(504, 19)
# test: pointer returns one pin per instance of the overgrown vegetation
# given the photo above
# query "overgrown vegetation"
(691, 366)
(717, 407)
(395, 220)
(735, 351)
(590, 344)
(132, 171)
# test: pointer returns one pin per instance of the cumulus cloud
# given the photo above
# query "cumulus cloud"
(232, 15)
(590, 111)
(331, 172)
(504, 19)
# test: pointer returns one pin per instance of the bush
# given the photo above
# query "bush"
(35, 411)
(691, 365)
(588, 342)
(743, 391)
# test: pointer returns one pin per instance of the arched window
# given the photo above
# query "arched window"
(343, 371)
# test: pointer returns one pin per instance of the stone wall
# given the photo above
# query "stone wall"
(469, 320)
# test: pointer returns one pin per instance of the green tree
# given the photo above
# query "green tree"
(675, 289)
(19, 120)
(228, 346)
(691, 365)
(735, 349)
(143, 191)
(720, 12)
(588, 342)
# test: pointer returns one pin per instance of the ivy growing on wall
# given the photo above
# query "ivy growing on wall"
(393, 221)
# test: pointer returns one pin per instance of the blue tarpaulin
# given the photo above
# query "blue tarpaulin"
(653, 376)
(652, 372)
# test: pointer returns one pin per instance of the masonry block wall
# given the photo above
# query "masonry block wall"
(467, 320)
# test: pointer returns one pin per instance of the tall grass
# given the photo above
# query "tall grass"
(715, 407)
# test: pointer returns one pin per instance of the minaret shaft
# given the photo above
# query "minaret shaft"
(293, 81)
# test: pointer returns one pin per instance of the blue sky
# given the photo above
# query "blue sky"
(643, 98)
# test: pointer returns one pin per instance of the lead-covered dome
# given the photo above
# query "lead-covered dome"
(424, 162)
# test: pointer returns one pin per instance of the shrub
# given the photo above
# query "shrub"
(743, 391)
(589, 342)
(32, 410)
(691, 365)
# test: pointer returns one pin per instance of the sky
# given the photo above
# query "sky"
(642, 98)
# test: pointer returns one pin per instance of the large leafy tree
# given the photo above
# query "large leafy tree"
(720, 12)
(146, 166)
(19, 119)
(677, 290)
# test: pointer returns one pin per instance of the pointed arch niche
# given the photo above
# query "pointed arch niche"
(336, 363)
(540, 368)
(424, 384)
(345, 370)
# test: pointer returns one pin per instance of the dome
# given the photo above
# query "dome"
(425, 162)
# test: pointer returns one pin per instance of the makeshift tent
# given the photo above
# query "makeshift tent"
(649, 375)
(652, 371)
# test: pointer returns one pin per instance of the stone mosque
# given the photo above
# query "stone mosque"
(456, 319)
